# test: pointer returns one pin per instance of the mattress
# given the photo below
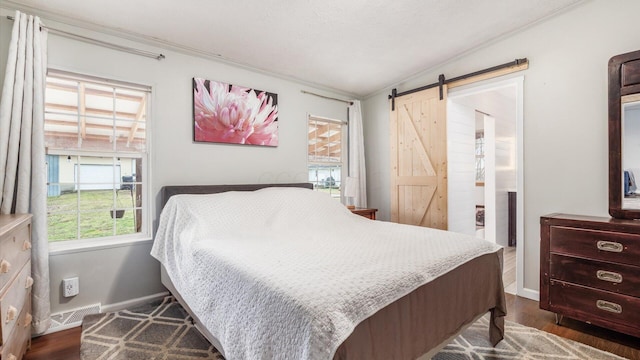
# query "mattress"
(267, 279)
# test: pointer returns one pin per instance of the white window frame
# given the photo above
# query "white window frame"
(145, 234)
(344, 159)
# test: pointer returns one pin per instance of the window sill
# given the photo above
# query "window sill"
(75, 246)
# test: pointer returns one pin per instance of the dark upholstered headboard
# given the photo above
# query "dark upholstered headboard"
(169, 191)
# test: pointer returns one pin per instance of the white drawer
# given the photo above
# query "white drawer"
(13, 301)
(20, 338)
(14, 253)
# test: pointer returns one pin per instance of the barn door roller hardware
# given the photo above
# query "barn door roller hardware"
(442, 81)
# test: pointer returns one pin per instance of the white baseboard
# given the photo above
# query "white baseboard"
(55, 328)
(133, 302)
(73, 318)
(529, 294)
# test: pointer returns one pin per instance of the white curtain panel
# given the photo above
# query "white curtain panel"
(22, 154)
(357, 168)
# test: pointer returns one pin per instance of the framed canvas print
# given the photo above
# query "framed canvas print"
(225, 113)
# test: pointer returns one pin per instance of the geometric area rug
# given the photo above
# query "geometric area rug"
(520, 342)
(163, 330)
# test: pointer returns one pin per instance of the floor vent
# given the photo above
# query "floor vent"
(72, 318)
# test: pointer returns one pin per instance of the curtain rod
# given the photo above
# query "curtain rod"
(100, 42)
(327, 97)
(442, 80)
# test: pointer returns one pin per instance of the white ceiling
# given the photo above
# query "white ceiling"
(354, 46)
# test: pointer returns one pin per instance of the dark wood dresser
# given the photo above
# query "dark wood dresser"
(590, 270)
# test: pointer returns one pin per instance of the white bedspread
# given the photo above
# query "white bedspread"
(287, 273)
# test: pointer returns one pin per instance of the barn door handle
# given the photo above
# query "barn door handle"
(610, 246)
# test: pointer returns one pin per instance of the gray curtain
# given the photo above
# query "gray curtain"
(357, 180)
(22, 153)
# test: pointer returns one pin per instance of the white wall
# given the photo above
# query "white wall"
(505, 152)
(565, 113)
(121, 273)
(461, 168)
(490, 195)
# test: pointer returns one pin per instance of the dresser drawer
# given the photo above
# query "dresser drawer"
(20, 338)
(596, 306)
(595, 244)
(14, 252)
(618, 278)
(14, 300)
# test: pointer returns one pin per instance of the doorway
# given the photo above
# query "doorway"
(484, 149)
(485, 176)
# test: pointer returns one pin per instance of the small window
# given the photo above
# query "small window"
(96, 142)
(326, 154)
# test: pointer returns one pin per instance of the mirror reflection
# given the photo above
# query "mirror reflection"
(631, 152)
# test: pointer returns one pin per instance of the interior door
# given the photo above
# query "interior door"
(419, 159)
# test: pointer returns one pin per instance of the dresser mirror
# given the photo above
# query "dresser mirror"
(624, 136)
(630, 153)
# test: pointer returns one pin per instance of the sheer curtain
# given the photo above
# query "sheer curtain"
(357, 170)
(22, 154)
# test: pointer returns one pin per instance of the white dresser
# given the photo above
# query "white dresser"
(15, 285)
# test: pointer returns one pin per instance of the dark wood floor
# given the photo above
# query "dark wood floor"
(509, 269)
(526, 312)
(62, 345)
(65, 345)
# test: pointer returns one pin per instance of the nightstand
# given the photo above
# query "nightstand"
(366, 212)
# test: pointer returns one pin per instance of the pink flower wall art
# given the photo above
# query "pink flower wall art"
(225, 113)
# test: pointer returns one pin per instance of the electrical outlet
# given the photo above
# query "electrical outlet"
(70, 287)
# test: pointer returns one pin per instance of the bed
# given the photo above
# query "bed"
(264, 277)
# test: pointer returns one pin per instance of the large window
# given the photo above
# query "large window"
(97, 155)
(326, 155)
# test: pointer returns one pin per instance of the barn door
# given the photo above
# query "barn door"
(419, 159)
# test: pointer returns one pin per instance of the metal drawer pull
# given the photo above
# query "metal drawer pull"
(609, 246)
(5, 266)
(609, 306)
(609, 276)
